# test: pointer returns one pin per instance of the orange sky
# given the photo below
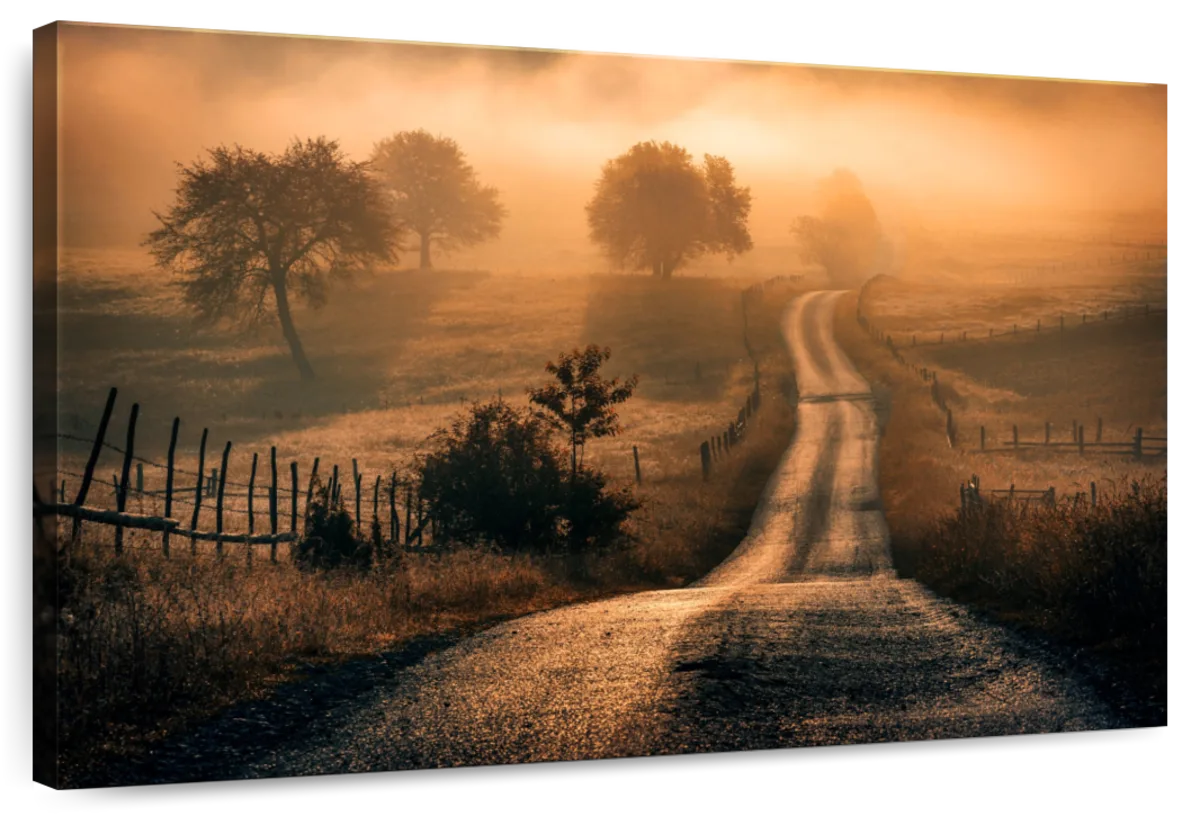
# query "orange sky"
(539, 125)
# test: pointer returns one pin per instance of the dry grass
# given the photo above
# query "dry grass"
(149, 646)
(1094, 579)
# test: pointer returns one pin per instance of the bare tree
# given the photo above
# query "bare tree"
(435, 194)
(655, 209)
(248, 229)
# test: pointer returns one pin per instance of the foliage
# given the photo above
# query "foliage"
(496, 476)
(435, 193)
(655, 209)
(248, 229)
(330, 538)
(580, 401)
(846, 238)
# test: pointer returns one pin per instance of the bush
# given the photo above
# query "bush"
(496, 476)
(330, 540)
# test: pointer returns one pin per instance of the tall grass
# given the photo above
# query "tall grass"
(148, 646)
(1089, 578)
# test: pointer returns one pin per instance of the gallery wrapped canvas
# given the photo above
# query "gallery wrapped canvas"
(404, 406)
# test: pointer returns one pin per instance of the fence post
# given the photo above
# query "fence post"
(221, 498)
(170, 497)
(950, 427)
(982, 438)
(1047, 432)
(637, 466)
(1137, 444)
(1050, 495)
(295, 494)
(357, 496)
(393, 518)
(199, 488)
(250, 495)
(312, 480)
(375, 510)
(273, 499)
(124, 488)
(333, 487)
(407, 515)
(705, 460)
(141, 480)
(1081, 438)
(1099, 429)
(212, 483)
(90, 468)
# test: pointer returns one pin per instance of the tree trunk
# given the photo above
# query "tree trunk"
(289, 331)
(426, 263)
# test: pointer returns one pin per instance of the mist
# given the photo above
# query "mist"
(934, 152)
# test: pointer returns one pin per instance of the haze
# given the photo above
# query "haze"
(941, 151)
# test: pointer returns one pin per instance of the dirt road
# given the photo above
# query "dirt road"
(804, 636)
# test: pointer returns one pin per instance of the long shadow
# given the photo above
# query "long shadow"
(213, 377)
(1132, 352)
(682, 336)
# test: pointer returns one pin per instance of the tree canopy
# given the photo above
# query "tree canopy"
(846, 238)
(435, 194)
(248, 229)
(655, 209)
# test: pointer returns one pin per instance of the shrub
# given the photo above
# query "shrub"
(330, 540)
(496, 476)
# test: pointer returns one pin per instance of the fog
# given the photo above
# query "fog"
(937, 151)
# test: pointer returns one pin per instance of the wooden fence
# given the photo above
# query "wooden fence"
(718, 447)
(1139, 446)
(1050, 327)
(212, 497)
(973, 497)
(927, 375)
(1129, 253)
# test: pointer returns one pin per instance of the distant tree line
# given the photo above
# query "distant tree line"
(248, 233)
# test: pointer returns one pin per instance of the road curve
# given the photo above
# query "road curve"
(803, 636)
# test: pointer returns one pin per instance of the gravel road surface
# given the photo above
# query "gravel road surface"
(803, 636)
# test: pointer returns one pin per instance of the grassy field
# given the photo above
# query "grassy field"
(1092, 579)
(153, 645)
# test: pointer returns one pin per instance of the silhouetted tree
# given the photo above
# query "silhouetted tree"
(580, 401)
(435, 194)
(249, 229)
(655, 209)
(497, 476)
(846, 238)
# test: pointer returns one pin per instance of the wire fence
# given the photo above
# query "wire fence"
(203, 504)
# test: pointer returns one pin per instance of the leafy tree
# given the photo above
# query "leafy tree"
(435, 194)
(248, 230)
(655, 209)
(580, 401)
(846, 238)
(494, 475)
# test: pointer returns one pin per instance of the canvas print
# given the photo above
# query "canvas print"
(406, 406)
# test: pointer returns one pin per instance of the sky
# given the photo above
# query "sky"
(929, 148)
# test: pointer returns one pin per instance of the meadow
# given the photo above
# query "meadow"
(150, 646)
(1092, 579)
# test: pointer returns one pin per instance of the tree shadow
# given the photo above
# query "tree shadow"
(682, 336)
(237, 381)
